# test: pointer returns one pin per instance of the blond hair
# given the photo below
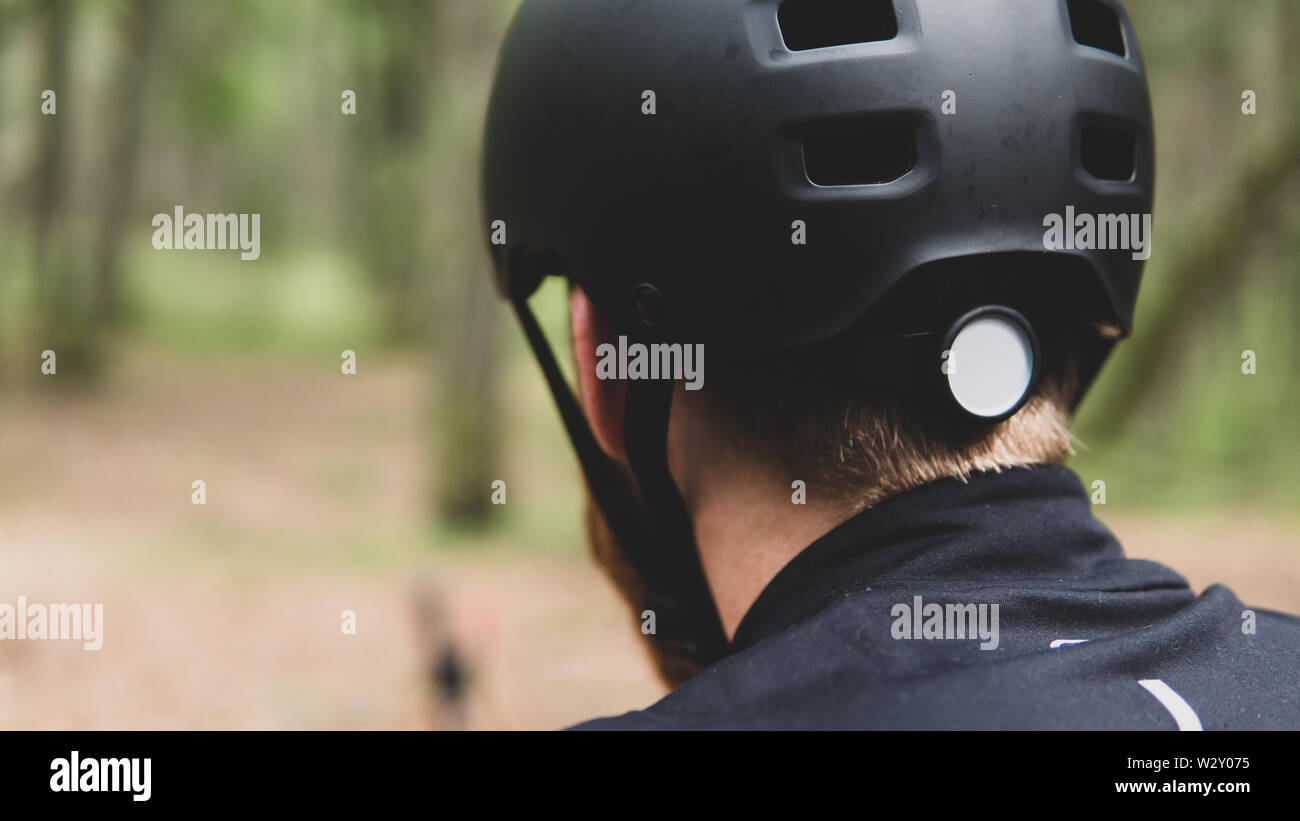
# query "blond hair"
(860, 449)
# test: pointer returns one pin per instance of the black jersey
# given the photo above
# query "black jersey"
(996, 603)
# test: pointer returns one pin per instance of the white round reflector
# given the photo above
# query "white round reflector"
(990, 365)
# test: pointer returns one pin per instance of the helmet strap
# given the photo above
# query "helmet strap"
(652, 526)
(671, 562)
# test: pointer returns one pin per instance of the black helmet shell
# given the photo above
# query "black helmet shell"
(700, 198)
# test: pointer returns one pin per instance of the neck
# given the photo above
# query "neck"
(746, 523)
(745, 540)
(747, 527)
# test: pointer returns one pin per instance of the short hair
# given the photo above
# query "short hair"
(809, 414)
(860, 447)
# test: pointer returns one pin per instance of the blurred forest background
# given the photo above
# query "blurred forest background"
(371, 492)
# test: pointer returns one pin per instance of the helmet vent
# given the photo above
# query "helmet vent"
(858, 152)
(809, 24)
(1108, 153)
(1096, 24)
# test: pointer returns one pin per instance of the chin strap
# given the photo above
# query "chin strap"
(671, 564)
(653, 526)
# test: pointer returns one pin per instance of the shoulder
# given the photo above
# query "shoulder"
(1233, 666)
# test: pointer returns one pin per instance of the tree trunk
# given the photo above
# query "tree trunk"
(469, 438)
(123, 159)
(50, 174)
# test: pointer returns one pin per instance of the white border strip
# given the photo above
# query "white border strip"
(1174, 703)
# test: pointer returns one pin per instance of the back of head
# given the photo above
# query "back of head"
(871, 213)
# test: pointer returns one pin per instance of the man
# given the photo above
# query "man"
(907, 233)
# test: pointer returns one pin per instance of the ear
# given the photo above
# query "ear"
(602, 399)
